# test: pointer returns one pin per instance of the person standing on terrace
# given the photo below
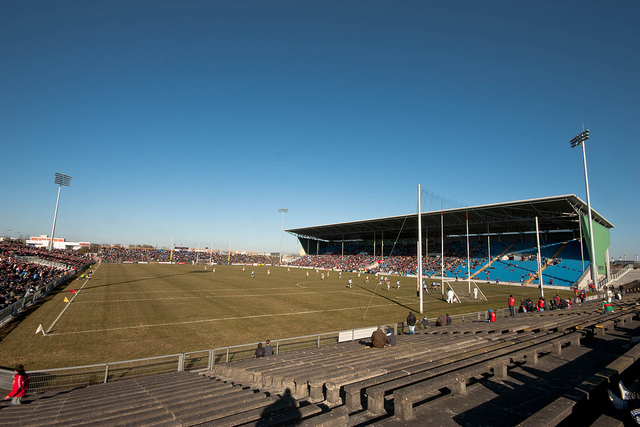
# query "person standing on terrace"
(411, 321)
(20, 386)
(512, 306)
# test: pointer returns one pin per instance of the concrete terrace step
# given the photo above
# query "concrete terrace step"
(203, 414)
(251, 391)
(364, 361)
(455, 378)
(377, 392)
(102, 396)
(155, 400)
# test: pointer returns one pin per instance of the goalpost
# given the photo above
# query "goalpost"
(447, 286)
(461, 291)
(477, 292)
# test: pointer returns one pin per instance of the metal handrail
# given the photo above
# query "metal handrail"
(613, 277)
(55, 379)
(7, 313)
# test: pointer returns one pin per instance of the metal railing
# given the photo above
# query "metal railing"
(9, 312)
(48, 380)
(613, 277)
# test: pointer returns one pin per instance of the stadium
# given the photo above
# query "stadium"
(237, 239)
(506, 231)
(138, 318)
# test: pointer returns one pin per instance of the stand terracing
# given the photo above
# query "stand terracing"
(351, 384)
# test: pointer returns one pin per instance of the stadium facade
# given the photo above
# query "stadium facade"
(43, 241)
(560, 218)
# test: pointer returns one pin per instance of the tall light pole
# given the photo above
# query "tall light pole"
(282, 232)
(420, 251)
(61, 180)
(580, 140)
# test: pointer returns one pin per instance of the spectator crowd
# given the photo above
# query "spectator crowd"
(402, 260)
(119, 254)
(21, 276)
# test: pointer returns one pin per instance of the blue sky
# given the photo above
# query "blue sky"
(198, 120)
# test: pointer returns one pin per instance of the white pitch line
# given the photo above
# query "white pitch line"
(90, 290)
(68, 304)
(216, 297)
(214, 320)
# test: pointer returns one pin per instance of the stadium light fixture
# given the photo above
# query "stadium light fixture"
(283, 211)
(61, 180)
(580, 140)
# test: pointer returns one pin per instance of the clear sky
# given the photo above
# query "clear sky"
(197, 120)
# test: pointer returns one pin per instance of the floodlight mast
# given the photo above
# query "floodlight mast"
(580, 140)
(420, 252)
(61, 180)
(283, 211)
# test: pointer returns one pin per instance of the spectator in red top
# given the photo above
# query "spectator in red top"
(20, 386)
(541, 304)
(512, 305)
(492, 316)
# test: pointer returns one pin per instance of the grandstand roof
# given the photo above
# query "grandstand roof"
(557, 213)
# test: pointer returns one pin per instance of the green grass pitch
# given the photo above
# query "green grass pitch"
(129, 311)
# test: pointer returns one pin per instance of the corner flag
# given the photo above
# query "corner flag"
(65, 299)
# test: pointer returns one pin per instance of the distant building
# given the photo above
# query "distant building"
(43, 240)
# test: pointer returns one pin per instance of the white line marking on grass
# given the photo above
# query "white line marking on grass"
(219, 296)
(173, 291)
(68, 304)
(214, 320)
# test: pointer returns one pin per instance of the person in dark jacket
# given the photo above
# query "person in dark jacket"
(378, 339)
(425, 322)
(411, 321)
(259, 351)
(268, 350)
(391, 338)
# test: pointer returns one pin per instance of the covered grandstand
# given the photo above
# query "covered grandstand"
(502, 239)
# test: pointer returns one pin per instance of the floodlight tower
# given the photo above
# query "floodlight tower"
(283, 210)
(61, 180)
(580, 140)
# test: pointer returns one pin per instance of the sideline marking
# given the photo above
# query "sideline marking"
(69, 303)
(214, 320)
(219, 296)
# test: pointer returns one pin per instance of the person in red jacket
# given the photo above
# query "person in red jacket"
(512, 305)
(541, 304)
(20, 386)
(492, 316)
